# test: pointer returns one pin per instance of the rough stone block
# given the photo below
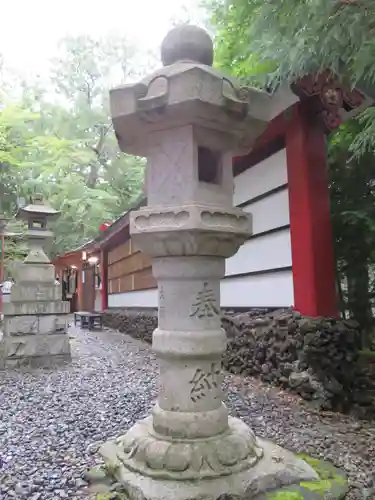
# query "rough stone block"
(28, 346)
(30, 308)
(36, 273)
(37, 361)
(29, 292)
(32, 325)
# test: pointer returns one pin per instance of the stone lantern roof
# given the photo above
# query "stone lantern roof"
(187, 90)
(37, 208)
(3, 222)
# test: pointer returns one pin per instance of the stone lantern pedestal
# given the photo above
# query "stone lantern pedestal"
(35, 320)
(189, 120)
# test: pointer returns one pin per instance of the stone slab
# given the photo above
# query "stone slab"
(33, 325)
(36, 273)
(36, 362)
(40, 308)
(29, 346)
(31, 292)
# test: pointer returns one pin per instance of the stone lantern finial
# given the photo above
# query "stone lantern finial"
(187, 43)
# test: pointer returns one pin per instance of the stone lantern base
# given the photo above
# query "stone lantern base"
(149, 468)
(35, 325)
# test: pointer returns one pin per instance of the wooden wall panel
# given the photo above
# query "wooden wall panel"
(129, 269)
(144, 279)
(120, 252)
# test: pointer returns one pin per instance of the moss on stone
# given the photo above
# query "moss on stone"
(325, 470)
(331, 484)
(318, 486)
(285, 495)
(111, 469)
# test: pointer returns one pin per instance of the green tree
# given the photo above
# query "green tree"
(353, 216)
(100, 181)
(59, 141)
(300, 36)
(268, 43)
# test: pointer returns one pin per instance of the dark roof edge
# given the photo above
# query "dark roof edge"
(116, 226)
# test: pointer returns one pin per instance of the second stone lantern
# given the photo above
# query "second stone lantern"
(189, 120)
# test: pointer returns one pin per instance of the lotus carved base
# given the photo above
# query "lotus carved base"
(150, 467)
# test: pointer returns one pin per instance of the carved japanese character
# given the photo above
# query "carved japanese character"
(205, 304)
(203, 382)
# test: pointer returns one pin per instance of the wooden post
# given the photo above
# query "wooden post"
(79, 286)
(103, 278)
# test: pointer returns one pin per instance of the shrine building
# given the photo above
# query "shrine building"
(283, 182)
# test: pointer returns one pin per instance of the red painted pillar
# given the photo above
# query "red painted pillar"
(310, 217)
(103, 279)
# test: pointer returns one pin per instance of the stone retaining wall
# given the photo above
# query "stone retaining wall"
(318, 358)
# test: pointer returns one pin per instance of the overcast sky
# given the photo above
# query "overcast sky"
(30, 29)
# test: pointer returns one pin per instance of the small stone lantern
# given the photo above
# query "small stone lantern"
(37, 215)
(189, 120)
(3, 223)
(35, 319)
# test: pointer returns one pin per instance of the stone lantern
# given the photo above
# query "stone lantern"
(189, 120)
(37, 215)
(3, 223)
(35, 319)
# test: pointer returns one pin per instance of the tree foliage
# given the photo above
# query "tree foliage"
(352, 190)
(268, 43)
(57, 139)
(299, 37)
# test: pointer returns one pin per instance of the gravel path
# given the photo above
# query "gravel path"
(48, 420)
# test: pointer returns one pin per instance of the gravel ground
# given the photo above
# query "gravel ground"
(48, 420)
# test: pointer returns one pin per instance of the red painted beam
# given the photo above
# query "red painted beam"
(275, 129)
(310, 217)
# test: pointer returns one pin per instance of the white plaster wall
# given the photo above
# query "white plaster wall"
(269, 251)
(265, 252)
(271, 290)
(260, 178)
(270, 212)
(263, 290)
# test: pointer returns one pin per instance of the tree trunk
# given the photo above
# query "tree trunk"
(93, 176)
